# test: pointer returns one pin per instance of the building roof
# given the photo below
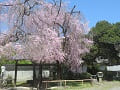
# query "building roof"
(113, 68)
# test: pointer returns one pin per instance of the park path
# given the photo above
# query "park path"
(112, 85)
(116, 88)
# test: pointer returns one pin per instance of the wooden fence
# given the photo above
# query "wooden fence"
(65, 82)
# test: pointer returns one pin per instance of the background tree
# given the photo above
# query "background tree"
(105, 37)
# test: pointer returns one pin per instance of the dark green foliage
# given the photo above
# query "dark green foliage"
(105, 37)
(109, 75)
(106, 33)
(67, 73)
(79, 76)
(4, 61)
(85, 76)
(25, 62)
(89, 58)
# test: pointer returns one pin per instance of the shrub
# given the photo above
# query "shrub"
(9, 79)
(82, 76)
(85, 76)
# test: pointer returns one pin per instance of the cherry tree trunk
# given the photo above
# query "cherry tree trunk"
(59, 70)
(34, 75)
(15, 79)
(40, 77)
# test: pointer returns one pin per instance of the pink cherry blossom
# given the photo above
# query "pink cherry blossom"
(46, 32)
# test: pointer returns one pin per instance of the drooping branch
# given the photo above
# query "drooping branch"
(44, 23)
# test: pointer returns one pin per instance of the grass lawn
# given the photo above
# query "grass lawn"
(106, 85)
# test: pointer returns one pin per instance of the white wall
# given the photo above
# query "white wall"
(25, 75)
(21, 75)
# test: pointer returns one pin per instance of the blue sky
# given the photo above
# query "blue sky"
(97, 10)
